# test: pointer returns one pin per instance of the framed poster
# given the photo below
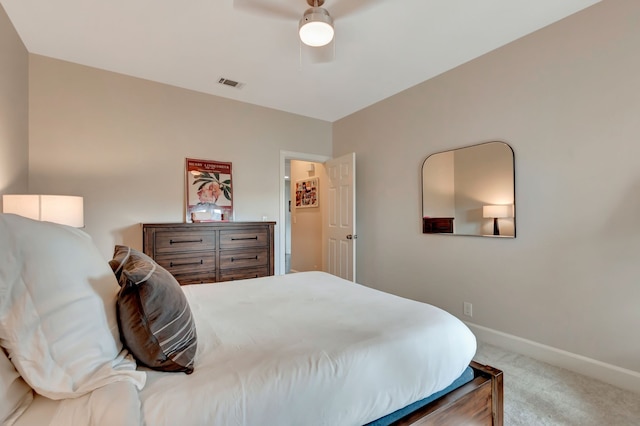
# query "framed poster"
(209, 191)
(307, 192)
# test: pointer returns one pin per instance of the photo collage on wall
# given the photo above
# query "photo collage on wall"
(307, 192)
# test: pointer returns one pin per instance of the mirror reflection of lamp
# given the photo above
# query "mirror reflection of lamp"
(62, 209)
(496, 212)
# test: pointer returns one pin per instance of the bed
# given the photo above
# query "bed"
(300, 349)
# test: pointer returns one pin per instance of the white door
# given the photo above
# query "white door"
(341, 217)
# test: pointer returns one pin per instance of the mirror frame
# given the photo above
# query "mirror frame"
(445, 225)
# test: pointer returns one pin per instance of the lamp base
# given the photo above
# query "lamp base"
(496, 230)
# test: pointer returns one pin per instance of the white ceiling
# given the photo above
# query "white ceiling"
(381, 48)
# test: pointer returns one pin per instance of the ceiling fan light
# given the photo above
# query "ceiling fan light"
(316, 27)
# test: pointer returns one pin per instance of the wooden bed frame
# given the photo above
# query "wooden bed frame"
(478, 402)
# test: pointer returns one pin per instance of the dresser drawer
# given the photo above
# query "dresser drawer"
(246, 258)
(173, 242)
(241, 274)
(244, 238)
(203, 278)
(182, 263)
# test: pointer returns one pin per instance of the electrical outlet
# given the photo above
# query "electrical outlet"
(468, 309)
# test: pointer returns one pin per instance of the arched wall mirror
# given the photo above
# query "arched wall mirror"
(470, 191)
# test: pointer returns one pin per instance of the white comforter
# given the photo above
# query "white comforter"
(300, 349)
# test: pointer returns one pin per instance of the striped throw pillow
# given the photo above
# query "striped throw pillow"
(154, 316)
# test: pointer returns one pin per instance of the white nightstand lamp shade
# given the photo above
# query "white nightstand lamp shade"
(496, 212)
(62, 209)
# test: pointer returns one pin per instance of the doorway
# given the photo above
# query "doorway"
(306, 216)
(332, 235)
(285, 253)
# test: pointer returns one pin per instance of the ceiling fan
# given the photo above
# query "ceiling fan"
(315, 28)
(316, 25)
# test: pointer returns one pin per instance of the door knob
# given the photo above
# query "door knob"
(352, 237)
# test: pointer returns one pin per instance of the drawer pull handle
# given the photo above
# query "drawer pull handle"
(244, 238)
(233, 259)
(234, 278)
(184, 241)
(171, 264)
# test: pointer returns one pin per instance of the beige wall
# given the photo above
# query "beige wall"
(567, 99)
(14, 149)
(121, 142)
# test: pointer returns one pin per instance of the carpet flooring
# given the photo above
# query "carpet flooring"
(539, 394)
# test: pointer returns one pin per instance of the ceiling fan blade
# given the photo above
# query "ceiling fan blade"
(344, 8)
(267, 8)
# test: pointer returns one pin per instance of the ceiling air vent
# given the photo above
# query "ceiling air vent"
(231, 83)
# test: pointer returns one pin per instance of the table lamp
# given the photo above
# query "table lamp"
(62, 209)
(496, 212)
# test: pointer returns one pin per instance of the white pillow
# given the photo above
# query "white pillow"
(58, 310)
(15, 394)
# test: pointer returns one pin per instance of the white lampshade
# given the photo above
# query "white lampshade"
(316, 27)
(497, 211)
(62, 209)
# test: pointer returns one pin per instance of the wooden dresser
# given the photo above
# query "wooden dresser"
(437, 225)
(210, 252)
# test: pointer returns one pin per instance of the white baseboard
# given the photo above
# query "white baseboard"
(608, 373)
